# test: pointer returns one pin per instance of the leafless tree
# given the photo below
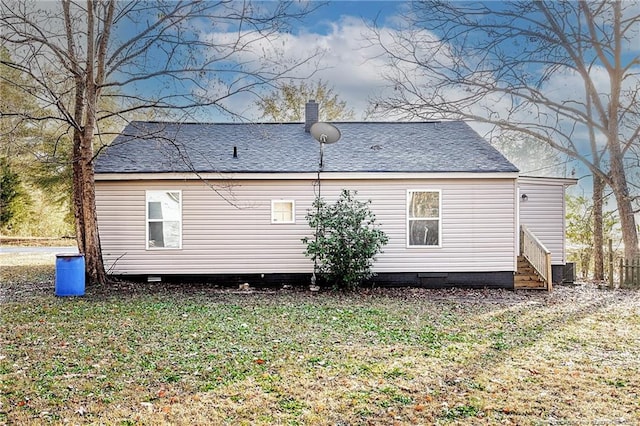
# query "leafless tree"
(142, 55)
(564, 73)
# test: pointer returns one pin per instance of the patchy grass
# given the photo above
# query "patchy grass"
(37, 241)
(194, 354)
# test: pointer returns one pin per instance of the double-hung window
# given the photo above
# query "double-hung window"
(424, 217)
(164, 219)
(283, 211)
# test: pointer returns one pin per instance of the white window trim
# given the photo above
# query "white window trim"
(293, 212)
(146, 219)
(439, 218)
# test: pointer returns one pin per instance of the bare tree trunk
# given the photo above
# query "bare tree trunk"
(625, 209)
(84, 117)
(71, 64)
(617, 173)
(77, 194)
(585, 263)
(598, 228)
(95, 271)
(85, 211)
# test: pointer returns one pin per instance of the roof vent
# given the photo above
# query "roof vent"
(310, 114)
(235, 152)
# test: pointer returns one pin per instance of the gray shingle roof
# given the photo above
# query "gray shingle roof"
(154, 147)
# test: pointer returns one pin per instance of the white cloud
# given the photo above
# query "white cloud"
(351, 61)
(347, 62)
(353, 64)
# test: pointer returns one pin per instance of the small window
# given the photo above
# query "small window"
(423, 218)
(164, 219)
(283, 211)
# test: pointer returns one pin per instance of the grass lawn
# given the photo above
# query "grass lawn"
(194, 354)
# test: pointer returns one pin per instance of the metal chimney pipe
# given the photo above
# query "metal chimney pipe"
(311, 112)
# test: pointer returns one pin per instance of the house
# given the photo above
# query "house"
(228, 202)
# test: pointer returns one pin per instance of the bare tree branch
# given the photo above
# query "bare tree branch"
(564, 73)
(90, 62)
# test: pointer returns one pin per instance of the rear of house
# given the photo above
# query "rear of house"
(228, 201)
(184, 227)
(542, 211)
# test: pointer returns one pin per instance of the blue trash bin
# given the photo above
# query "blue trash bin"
(70, 274)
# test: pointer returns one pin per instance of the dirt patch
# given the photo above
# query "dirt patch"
(30, 275)
(21, 282)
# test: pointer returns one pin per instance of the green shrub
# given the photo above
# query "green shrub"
(14, 201)
(347, 239)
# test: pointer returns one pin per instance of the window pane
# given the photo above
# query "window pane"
(171, 234)
(156, 234)
(164, 215)
(282, 211)
(283, 216)
(164, 205)
(423, 233)
(155, 210)
(172, 210)
(424, 204)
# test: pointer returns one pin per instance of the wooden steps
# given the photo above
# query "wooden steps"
(527, 278)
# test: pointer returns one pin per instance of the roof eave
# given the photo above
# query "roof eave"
(548, 180)
(304, 175)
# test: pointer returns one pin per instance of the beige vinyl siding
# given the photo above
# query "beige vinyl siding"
(543, 213)
(236, 235)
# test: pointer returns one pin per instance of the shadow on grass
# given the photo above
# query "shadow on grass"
(512, 348)
(158, 335)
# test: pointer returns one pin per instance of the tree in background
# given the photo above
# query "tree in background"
(18, 137)
(287, 102)
(564, 73)
(27, 152)
(346, 241)
(75, 54)
(531, 156)
(13, 198)
(580, 229)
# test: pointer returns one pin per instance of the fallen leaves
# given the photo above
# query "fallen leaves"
(405, 356)
(147, 405)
